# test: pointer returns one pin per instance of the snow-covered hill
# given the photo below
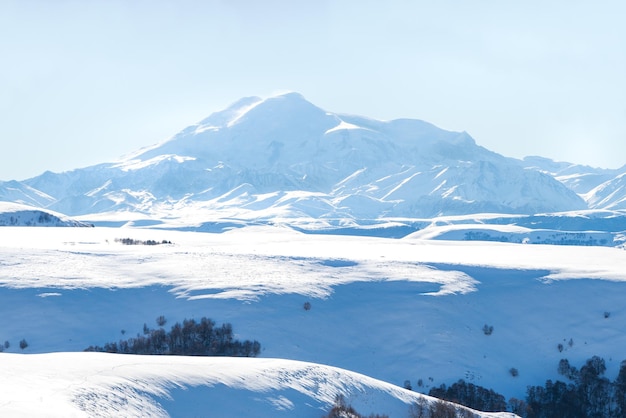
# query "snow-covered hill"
(13, 214)
(113, 385)
(261, 152)
(519, 235)
(391, 309)
(586, 228)
(19, 192)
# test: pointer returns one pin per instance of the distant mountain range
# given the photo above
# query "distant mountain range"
(284, 157)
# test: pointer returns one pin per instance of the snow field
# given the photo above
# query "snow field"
(391, 309)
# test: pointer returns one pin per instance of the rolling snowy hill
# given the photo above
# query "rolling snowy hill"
(390, 309)
(113, 385)
(13, 214)
(286, 154)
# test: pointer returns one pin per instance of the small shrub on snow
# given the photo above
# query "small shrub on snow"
(23, 344)
(419, 409)
(441, 409)
(161, 321)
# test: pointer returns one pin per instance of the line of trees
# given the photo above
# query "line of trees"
(191, 338)
(419, 409)
(438, 409)
(587, 393)
(471, 395)
(131, 241)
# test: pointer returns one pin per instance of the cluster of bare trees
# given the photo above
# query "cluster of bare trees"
(189, 338)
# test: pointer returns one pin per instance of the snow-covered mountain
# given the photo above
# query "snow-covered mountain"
(19, 192)
(611, 194)
(14, 214)
(600, 188)
(289, 158)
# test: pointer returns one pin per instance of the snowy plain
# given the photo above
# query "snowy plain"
(389, 309)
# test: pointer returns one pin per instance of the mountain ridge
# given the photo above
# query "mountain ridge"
(352, 165)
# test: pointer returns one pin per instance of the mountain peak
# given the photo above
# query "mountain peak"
(224, 117)
(292, 95)
(288, 105)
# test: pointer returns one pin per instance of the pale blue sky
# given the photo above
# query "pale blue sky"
(83, 82)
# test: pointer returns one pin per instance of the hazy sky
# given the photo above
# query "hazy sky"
(83, 82)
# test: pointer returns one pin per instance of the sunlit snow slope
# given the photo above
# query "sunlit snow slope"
(96, 384)
(391, 309)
